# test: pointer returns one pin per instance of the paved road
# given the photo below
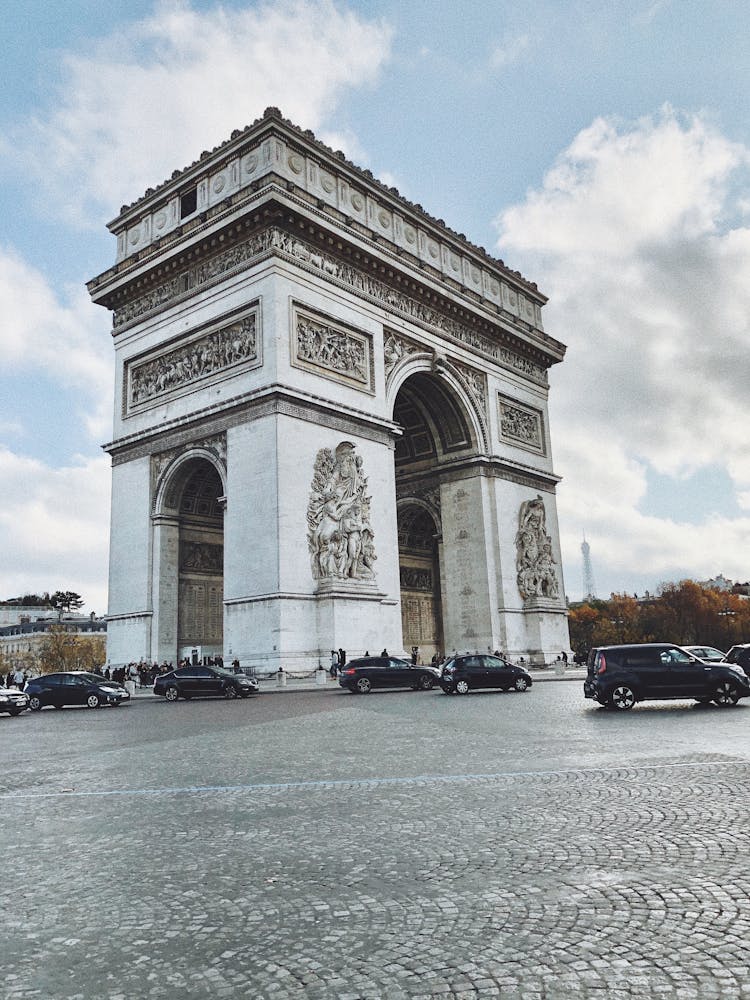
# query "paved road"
(322, 845)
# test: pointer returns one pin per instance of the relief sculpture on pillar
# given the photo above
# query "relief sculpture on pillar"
(340, 536)
(535, 564)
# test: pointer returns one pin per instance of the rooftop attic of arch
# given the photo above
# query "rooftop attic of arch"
(273, 173)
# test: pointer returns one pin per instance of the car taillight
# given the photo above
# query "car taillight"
(602, 664)
(350, 671)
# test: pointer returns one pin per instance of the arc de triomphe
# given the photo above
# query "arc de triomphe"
(330, 423)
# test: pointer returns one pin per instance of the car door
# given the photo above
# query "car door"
(401, 673)
(73, 690)
(687, 676)
(644, 669)
(378, 671)
(473, 670)
(498, 672)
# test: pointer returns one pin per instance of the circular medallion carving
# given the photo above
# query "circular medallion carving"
(218, 184)
(494, 288)
(358, 202)
(409, 234)
(454, 262)
(134, 237)
(327, 184)
(432, 249)
(251, 164)
(384, 219)
(475, 275)
(296, 163)
(160, 220)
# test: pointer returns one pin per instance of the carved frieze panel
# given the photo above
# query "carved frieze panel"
(273, 240)
(536, 574)
(329, 348)
(416, 578)
(520, 425)
(201, 557)
(339, 533)
(212, 353)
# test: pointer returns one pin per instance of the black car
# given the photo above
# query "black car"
(198, 680)
(619, 676)
(361, 676)
(13, 701)
(463, 673)
(739, 656)
(74, 687)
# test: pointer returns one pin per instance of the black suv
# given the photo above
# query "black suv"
(619, 676)
(740, 657)
(362, 675)
(462, 673)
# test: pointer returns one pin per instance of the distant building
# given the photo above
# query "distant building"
(11, 612)
(21, 642)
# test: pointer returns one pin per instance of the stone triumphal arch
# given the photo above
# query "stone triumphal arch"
(330, 423)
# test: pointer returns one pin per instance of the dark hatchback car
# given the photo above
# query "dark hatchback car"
(740, 657)
(74, 687)
(199, 681)
(461, 674)
(13, 701)
(619, 676)
(361, 676)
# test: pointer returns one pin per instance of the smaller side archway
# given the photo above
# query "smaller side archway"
(188, 564)
(419, 573)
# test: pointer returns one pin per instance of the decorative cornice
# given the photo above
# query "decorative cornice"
(272, 143)
(208, 422)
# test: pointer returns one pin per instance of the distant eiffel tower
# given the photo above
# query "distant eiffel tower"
(589, 587)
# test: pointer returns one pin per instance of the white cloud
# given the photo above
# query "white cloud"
(509, 51)
(153, 95)
(635, 236)
(69, 341)
(55, 527)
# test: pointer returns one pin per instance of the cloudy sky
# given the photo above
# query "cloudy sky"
(601, 149)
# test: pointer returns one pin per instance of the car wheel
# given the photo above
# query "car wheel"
(363, 685)
(622, 697)
(93, 701)
(427, 683)
(462, 687)
(230, 691)
(171, 694)
(726, 694)
(35, 703)
(521, 684)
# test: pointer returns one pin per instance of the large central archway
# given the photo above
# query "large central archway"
(437, 430)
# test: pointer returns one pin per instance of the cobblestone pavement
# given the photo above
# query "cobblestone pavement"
(322, 845)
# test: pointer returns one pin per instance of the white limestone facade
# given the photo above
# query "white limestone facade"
(330, 424)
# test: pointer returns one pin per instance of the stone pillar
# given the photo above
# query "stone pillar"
(165, 586)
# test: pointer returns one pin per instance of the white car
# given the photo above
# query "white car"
(708, 653)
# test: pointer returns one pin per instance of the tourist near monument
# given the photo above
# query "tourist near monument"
(331, 425)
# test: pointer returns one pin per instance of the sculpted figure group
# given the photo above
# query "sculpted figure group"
(535, 564)
(340, 536)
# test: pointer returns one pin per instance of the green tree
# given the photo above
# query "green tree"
(63, 650)
(66, 600)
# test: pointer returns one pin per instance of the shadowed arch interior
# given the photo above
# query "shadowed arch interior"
(432, 420)
(197, 495)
